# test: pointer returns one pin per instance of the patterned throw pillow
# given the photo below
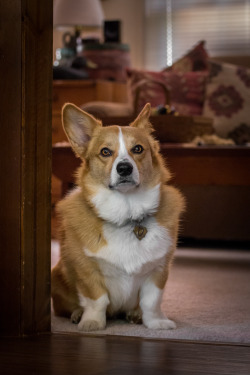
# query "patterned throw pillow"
(194, 60)
(227, 98)
(186, 89)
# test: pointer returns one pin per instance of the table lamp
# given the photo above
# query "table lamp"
(80, 14)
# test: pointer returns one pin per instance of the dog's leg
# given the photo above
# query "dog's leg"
(94, 314)
(150, 300)
(63, 292)
(76, 315)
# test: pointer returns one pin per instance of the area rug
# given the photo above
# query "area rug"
(207, 295)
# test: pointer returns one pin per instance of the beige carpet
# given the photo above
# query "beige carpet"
(207, 295)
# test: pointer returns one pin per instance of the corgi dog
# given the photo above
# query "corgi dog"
(119, 225)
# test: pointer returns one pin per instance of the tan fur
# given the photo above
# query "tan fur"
(171, 204)
(82, 228)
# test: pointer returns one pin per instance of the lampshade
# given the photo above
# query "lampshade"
(78, 12)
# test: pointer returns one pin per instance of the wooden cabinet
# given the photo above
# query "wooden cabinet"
(77, 92)
(80, 92)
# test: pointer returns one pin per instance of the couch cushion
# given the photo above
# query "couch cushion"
(186, 89)
(101, 109)
(227, 98)
(194, 60)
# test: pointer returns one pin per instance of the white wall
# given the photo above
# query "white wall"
(131, 14)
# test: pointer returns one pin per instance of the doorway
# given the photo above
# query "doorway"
(26, 67)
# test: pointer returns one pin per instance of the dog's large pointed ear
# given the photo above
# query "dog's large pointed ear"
(142, 120)
(78, 126)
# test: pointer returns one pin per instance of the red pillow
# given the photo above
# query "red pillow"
(186, 89)
(194, 60)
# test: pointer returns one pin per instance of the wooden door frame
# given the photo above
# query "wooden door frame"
(25, 165)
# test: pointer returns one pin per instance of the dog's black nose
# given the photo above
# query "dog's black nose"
(124, 168)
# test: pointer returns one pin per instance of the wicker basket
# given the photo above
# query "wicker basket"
(176, 129)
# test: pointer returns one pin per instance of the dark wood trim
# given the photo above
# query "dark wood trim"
(10, 171)
(26, 66)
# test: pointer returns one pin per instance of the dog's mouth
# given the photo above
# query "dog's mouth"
(124, 184)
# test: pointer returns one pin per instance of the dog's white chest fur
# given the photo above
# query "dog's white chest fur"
(121, 213)
(126, 262)
(129, 254)
(118, 208)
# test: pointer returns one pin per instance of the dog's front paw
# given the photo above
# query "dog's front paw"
(88, 325)
(160, 323)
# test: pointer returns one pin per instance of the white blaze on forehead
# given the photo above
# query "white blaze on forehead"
(123, 152)
(123, 155)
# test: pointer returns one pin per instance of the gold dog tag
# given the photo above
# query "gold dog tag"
(140, 231)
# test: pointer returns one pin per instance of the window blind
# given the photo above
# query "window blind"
(223, 24)
(155, 52)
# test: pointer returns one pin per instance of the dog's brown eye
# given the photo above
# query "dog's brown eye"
(106, 152)
(137, 149)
